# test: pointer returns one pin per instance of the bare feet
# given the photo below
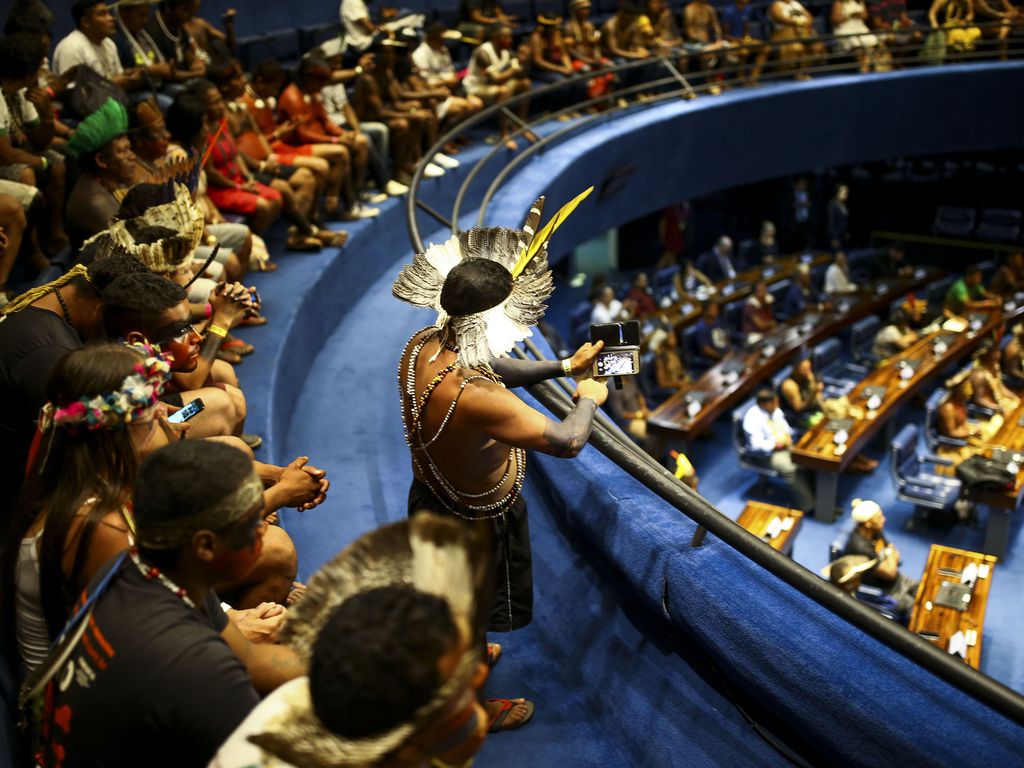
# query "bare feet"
(298, 591)
(510, 145)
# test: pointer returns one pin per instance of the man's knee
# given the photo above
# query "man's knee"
(237, 397)
(279, 556)
(234, 442)
(224, 373)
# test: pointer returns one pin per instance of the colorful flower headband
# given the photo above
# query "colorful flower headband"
(140, 390)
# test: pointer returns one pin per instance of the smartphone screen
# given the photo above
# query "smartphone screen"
(624, 363)
(186, 413)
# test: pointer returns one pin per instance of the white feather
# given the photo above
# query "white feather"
(445, 256)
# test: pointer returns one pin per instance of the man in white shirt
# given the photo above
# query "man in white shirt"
(837, 277)
(359, 28)
(91, 44)
(606, 307)
(769, 434)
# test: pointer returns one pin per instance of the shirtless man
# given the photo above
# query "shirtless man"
(704, 33)
(468, 433)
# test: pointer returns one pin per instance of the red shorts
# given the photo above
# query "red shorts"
(240, 201)
(286, 153)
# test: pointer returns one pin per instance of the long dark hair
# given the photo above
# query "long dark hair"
(73, 465)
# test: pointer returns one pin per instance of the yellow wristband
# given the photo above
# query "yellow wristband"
(567, 367)
(217, 330)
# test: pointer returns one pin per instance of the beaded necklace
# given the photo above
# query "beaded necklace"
(152, 573)
(64, 307)
(418, 444)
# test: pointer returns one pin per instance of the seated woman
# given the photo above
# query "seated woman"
(987, 381)
(952, 421)
(669, 371)
(1013, 356)
(548, 51)
(688, 280)
(793, 26)
(849, 22)
(584, 46)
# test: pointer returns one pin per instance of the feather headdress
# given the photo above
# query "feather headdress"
(492, 331)
(180, 216)
(432, 554)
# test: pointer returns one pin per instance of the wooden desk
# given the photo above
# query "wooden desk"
(724, 392)
(943, 621)
(816, 450)
(756, 517)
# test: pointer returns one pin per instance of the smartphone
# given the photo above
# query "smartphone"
(184, 414)
(618, 362)
(254, 295)
(625, 334)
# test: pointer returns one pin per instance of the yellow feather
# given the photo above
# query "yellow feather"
(544, 235)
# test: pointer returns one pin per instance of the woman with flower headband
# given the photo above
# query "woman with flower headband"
(103, 415)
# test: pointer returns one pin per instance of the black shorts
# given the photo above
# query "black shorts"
(283, 172)
(513, 601)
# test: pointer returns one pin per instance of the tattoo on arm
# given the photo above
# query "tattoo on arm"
(523, 373)
(566, 439)
(211, 345)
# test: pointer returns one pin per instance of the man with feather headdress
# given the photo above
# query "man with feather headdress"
(468, 434)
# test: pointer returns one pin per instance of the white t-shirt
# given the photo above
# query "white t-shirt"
(238, 751)
(603, 314)
(77, 49)
(26, 113)
(433, 65)
(836, 281)
(352, 11)
(334, 98)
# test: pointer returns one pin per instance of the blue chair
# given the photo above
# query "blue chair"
(579, 323)
(936, 294)
(837, 546)
(827, 359)
(733, 315)
(953, 221)
(662, 282)
(862, 339)
(779, 290)
(932, 437)
(999, 225)
(648, 380)
(876, 599)
(914, 482)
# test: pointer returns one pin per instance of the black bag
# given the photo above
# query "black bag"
(978, 473)
(91, 92)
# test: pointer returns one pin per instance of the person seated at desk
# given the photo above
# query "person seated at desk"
(769, 434)
(640, 292)
(1009, 278)
(868, 539)
(802, 397)
(837, 277)
(802, 294)
(845, 573)
(607, 309)
(987, 381)
(968, 295)
(757, 311)
(952, 422)
(669, 371)
(710, 335)
(689, 279)
(718, 263)
(892, 262)
(894, 337)
(1013, 355)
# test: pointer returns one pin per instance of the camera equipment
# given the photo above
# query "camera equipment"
(621, 353)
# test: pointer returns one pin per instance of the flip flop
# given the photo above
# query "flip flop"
(506, 707)
(236, 345)
(493, 654)
(254, 320)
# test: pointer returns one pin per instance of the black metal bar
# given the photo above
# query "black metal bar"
(420, 204)
(984, 689)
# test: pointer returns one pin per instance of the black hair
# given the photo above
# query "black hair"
(435, 28)
(21, 55)
(185, 118)
(102, 272)
(181, 479)
(269, 69)
(709, 304)
(899, 316)
(896, 245)
(972, 269)
(201, 86)
(82, 8)
(474, 285)
(146, 234)
(137, 302)
(497, 30)
(310, 62)
(28, 16)
(375, 661)
(222, 72)
(140, 198)
(765, 396)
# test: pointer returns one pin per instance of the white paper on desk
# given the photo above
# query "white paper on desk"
(958, 645)
(983, 571)
(787, 524)
(955, 325)
(693, 408)
(774, 528)
(969, 575)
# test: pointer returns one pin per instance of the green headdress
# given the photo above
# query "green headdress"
(100, 128)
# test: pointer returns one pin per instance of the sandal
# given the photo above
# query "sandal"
(236, 345)
(493, 654)
(254, 320)
(506, 707)
(259, 265)
(330, 238)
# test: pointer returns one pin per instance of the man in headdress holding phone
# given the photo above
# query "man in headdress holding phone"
(468, 434)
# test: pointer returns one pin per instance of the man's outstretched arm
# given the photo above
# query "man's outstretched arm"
(522, 373)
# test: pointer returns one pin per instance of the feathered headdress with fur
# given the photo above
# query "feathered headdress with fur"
(432, 554)
(180, 216)
(493, 330)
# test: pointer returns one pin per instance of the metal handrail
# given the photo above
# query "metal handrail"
(614, 444)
